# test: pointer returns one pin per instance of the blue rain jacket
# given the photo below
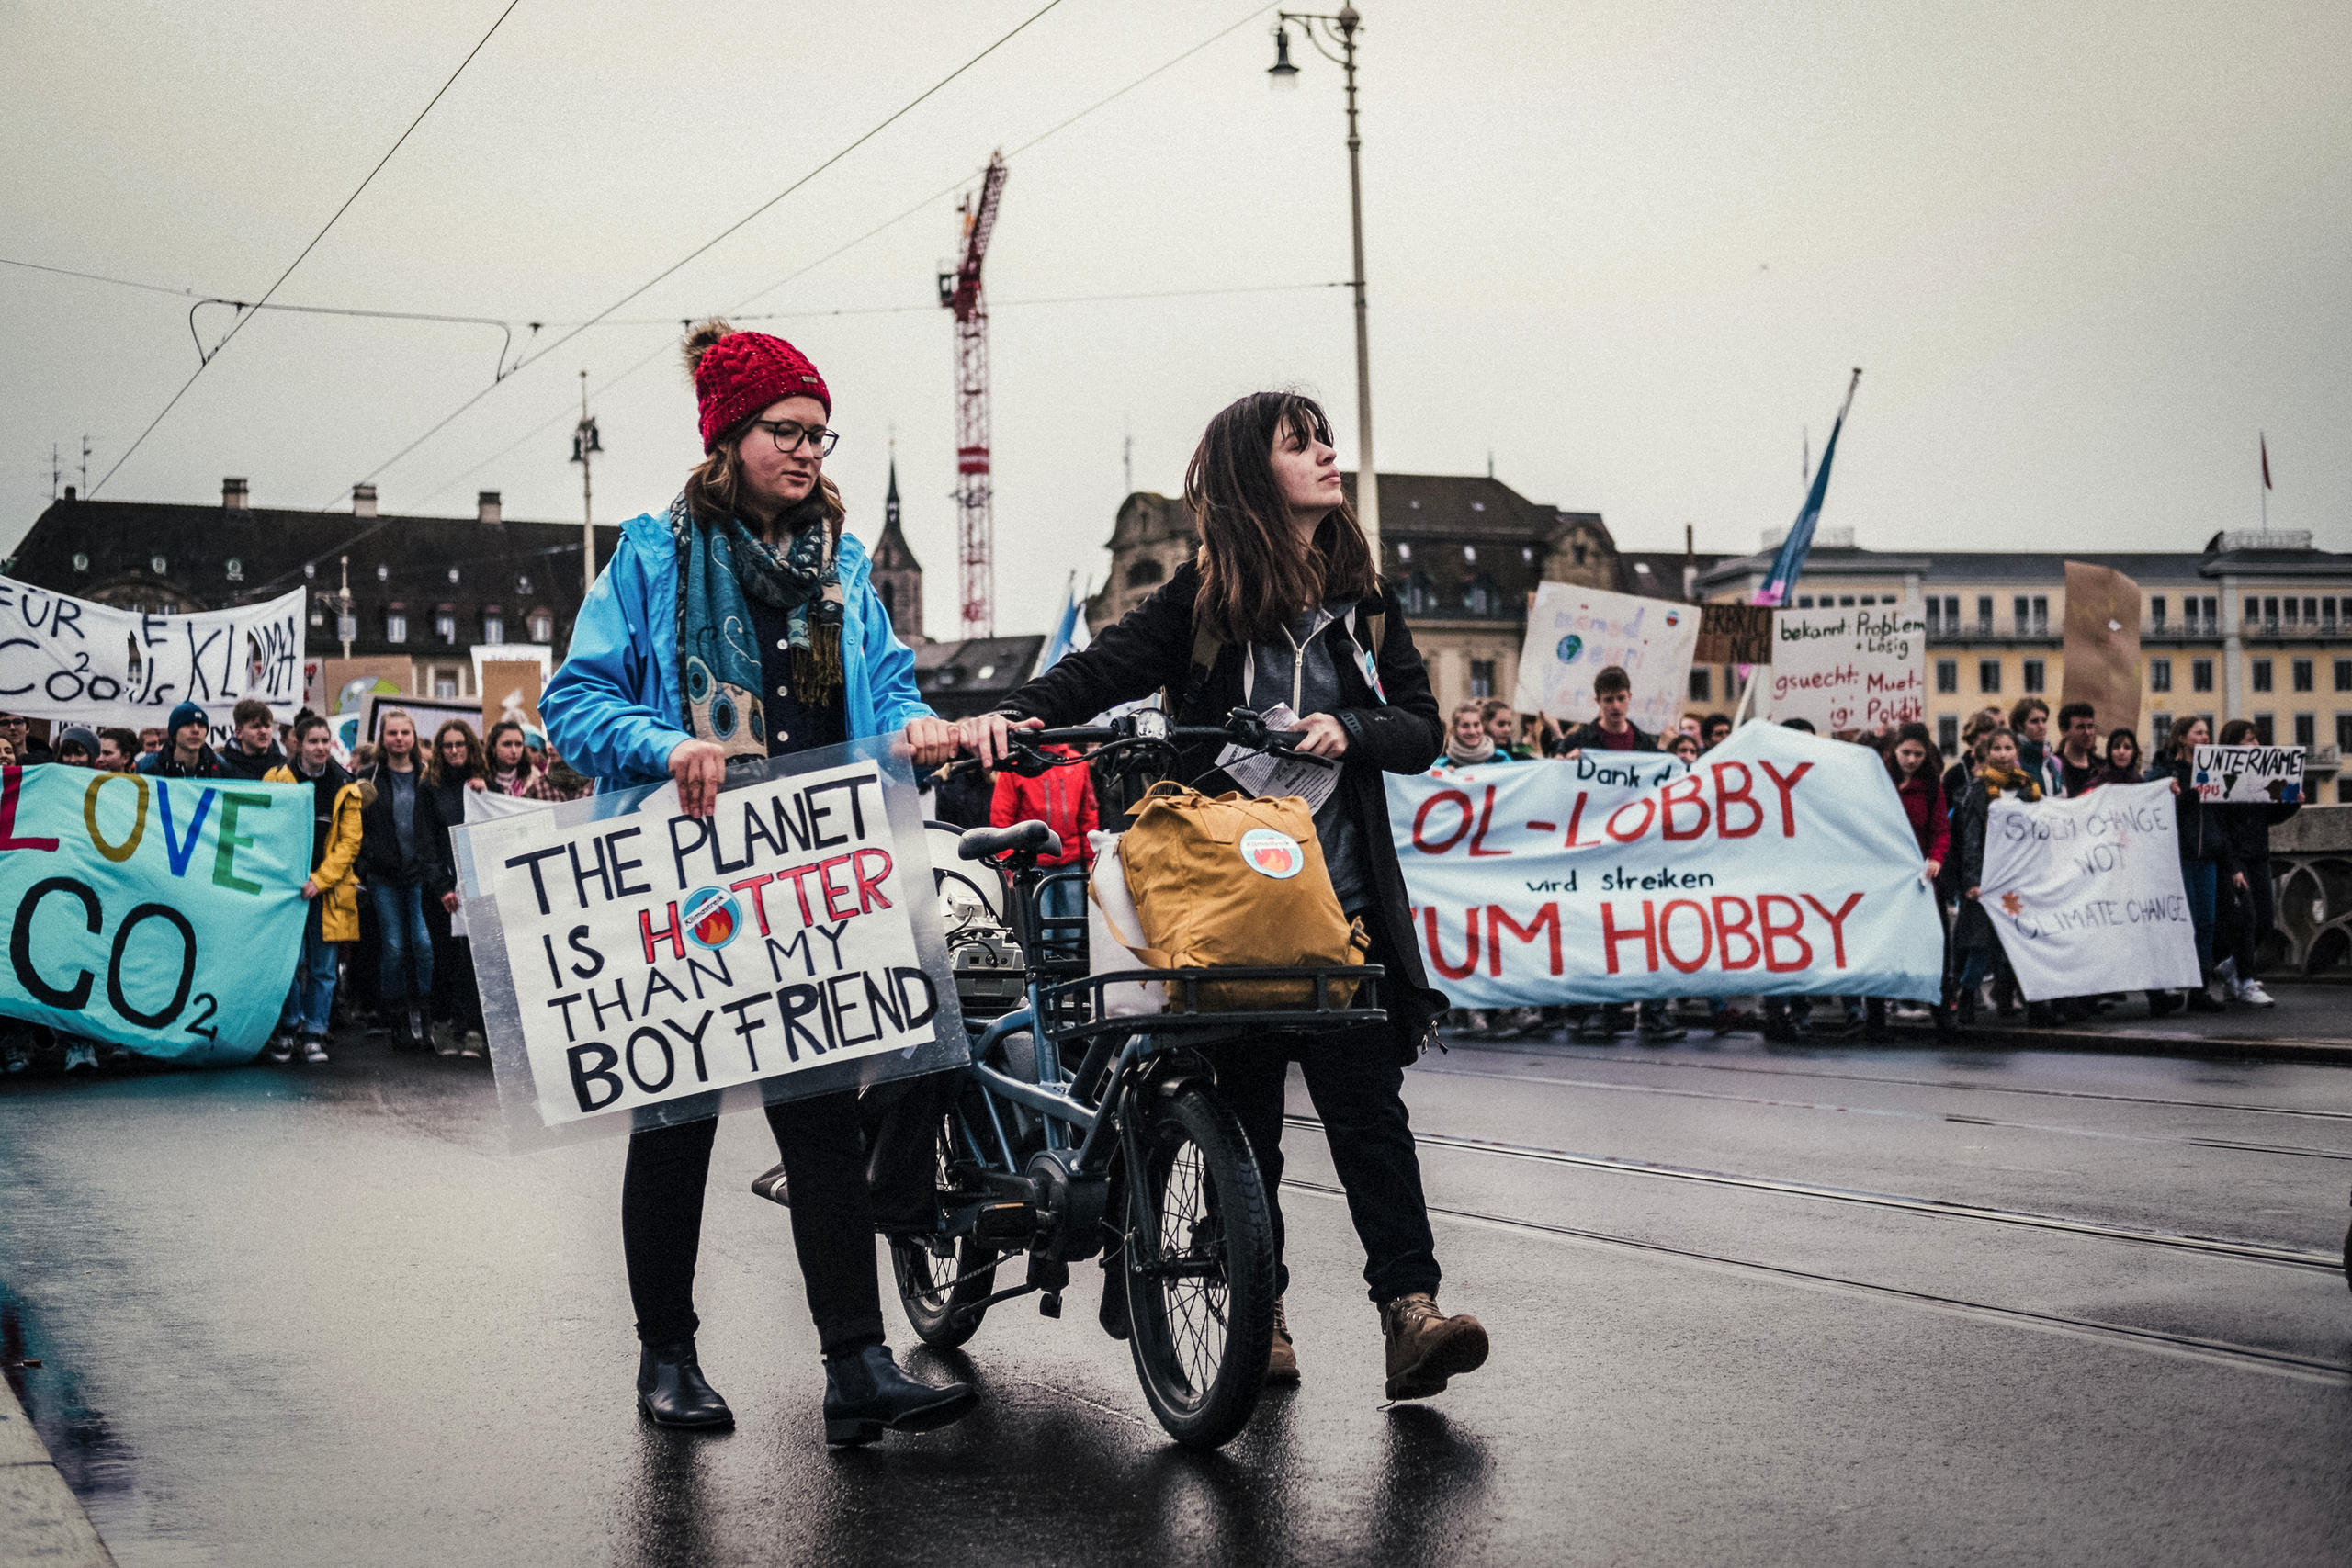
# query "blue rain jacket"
(614, 709)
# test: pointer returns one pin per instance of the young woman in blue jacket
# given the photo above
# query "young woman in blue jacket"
(662, 682)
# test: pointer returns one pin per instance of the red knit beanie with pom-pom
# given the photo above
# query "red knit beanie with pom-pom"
(737, 374)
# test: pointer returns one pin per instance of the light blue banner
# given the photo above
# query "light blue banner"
(162, 914)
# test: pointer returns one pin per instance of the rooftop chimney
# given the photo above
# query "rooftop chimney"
(486, 507)
(234, 497)
(363, 501)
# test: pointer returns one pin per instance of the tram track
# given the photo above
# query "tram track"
(2209, 1246)
(2220, 1352)
(1621, 1059)
(2235, 1146)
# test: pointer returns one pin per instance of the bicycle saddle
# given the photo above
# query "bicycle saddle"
(986, 843)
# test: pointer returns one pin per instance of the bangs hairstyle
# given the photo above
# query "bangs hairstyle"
(1254, 574)
(715, 486)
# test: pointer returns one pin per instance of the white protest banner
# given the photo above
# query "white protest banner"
(2085, 893)
(1575, 633)
(1779, 864)
(81, 662)
(633, 963)
(2262, 774)
(1850, 668)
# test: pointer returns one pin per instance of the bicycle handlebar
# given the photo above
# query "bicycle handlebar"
(1145, 728)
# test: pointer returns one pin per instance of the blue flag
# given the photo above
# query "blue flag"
(1789, 563)
(1070, 629)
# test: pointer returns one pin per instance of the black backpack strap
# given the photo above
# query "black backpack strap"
(1206, 645)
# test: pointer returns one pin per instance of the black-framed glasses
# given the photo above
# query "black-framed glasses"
(788, 435)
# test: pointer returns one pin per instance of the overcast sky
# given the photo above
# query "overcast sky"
(2084, 253)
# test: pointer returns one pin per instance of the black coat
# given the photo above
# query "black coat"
(2201, 834)
(427, 863)
(235, 764)
(1151, 647)
(2246, 825)
(1590, 736)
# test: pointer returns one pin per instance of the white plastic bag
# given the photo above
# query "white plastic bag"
(1111, 925)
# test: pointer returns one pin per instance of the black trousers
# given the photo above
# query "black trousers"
(2250, 915)
(1357, 1085)
(833, 1220)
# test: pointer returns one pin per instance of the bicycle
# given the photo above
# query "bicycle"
(1129, 1155)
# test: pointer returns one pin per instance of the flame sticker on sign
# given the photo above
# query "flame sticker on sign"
(1270, 853)
(710, 916)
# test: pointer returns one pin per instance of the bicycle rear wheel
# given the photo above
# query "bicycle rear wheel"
(939, 1282)
(1200, 1272)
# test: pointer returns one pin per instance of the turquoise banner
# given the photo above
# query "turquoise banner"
(164, 915)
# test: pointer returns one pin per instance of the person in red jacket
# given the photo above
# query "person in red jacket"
(1916, 768)
(1063, 799)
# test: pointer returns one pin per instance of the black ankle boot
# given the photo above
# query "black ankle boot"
(672, 1391)
(866, 1391)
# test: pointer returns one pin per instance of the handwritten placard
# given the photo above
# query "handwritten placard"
(1853, 668)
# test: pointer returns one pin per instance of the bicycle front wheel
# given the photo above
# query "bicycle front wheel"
(1199, 1270)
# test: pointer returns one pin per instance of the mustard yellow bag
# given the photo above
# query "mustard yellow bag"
(1233, 881)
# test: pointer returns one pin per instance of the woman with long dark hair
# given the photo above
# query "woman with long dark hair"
(1916, 766)
(661, 683)
(2207, 861)
(1293, 610)
(1999, 774)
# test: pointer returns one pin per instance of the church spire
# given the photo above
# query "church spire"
(890, 500)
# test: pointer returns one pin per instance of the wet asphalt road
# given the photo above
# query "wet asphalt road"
(1748, 1306)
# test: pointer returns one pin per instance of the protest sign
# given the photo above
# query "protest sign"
(2085, 893)
(427, 714)
(1574, 633)
(160, 914)
(1850, 668)
(1779, 864)
(81, 662)
(345, 684)
(2269, 775)
(2102, 648)
(633, 963)
(1734, 634)
(510, 690)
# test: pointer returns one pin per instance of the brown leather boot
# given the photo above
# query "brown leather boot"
(1282, 1361)
(1426, 1347)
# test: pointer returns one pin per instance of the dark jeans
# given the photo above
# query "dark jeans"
(2250, 915)
(1357, 1085)
(2200, 880)
(310, 998)
(833, 1220)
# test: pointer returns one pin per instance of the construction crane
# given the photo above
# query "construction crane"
(959, 291)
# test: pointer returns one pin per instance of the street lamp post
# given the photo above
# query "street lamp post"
(586, 444)
(1342, 29)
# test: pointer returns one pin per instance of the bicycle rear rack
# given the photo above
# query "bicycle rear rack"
(1187, 1015)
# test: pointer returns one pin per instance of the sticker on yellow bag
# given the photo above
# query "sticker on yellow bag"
(1273, 853)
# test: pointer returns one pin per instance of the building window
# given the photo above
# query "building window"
(2262, 678)
(889, 592)
(2034, 676)
(2201, 674)
(1984, 614)
(493, 629)
(395, 626)
(1804, 601)
(1846, 601)
(1482, 677)
(444, 684)
(2212, 608)
(1527, 554)
(445, 625)
(2161, 727)
(1470, 552)
(2160, 674)
(2156, 612)
(81, 561)
(1404, 550)
(1421, 594)
(1988, 676)
(542, 628)
(1580, 552)
(2306, 730)
(1703, 683)
(2269, 619)
(1946, 674)
(2342, 733)
(2263, 730)
(1948, 733)
(1144, 571)
(1480, 595)
(522, 585)
(158, 565)
(236, 569)
(2302, 672)
(2344, 674)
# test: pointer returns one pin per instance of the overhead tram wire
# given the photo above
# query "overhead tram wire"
(883, 227)
(206, 363)
(897, 115)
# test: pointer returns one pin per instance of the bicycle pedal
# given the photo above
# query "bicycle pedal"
(1004, 1222)
(1050, 1304)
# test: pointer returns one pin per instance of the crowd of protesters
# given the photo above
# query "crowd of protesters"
(381, 950)
(2224, 854)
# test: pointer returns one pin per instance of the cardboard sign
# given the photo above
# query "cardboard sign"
(510, 690)
(2085, 893)
(1734, 634)
(2271, 776)
(1574, 633)
(1782, 863)
(81, 662)
(428, 713)
(1853, 668)
(635, 964)
(345, 684)
(2102, 645)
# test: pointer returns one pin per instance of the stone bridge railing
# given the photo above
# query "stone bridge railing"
(2311, 857)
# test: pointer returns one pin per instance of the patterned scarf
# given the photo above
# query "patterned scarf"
(1465, 756)
(718, 652)
(2015, 781)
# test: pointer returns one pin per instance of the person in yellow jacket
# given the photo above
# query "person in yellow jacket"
(333, 888)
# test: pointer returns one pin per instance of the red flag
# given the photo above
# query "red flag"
(2264, 440)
